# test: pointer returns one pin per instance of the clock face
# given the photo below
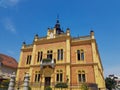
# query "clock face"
(51, 35)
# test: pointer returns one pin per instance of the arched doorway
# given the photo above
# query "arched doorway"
(47, 72)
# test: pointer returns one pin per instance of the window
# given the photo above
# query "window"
(60, 54)
(37, 76)
(29, 57)
(81, 76)
(59, 76)
(49, 54)
(80, 55)
(40, 55)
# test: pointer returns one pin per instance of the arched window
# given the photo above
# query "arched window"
(80, 55)
(50, 54)
(29, 57)
(37, 76)
(40, 55)
(81, 76)
(59, 76)
(60, 54)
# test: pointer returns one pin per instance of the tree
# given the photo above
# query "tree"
(110, 83)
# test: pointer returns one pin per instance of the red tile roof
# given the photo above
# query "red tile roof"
(8, 61)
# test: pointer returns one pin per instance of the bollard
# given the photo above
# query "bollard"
(12, 82)
(26, 82)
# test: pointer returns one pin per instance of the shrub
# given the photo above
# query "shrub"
(5, 83)
(61, 85)
(84, 87)
(46, 60)
(48, 88)
(29, 88)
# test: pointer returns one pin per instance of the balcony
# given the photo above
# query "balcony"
(47, 62)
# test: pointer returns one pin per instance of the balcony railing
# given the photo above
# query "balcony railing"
(47, 62)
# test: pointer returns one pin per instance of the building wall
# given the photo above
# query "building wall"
(90, 78)
(23, 60)
(51, 46)
(70, 66)
(87, 51)
(7, 71)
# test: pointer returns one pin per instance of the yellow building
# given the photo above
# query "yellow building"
(58, 57)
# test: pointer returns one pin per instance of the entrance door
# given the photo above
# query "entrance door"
(47, 81)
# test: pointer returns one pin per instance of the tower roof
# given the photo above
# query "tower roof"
(58, 28)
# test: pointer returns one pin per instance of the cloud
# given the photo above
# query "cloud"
(8, 3)
(9, 25)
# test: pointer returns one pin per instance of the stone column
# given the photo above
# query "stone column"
(26, 82)
(43, 81)
(12, 82)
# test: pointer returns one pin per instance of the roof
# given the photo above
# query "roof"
(8, 61)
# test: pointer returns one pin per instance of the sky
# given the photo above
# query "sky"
(20, 20)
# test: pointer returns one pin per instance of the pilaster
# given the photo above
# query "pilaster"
(98, 70)
(32, 61)
(68, 50)
(19, 64)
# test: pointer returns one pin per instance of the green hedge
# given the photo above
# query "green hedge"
(46, 60)
(61, 85)
(48, 88)
(84, 86)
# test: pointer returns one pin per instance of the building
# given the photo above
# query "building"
(58, 57)
(8, 65)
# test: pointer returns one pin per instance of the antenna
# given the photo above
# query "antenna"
(57, 16)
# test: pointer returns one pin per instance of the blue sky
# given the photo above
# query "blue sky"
(20, 20)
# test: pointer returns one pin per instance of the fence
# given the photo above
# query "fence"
(26, 85)
(41, 86)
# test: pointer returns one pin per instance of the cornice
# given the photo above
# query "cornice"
(80, 42)
(27, 49)
(23, 67)
(52, 40)
(84, 64)
(60, 64)
(63, 64)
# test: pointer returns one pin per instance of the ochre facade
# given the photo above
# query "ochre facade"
(58, 57)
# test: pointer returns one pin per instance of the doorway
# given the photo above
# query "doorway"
(47, 81)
